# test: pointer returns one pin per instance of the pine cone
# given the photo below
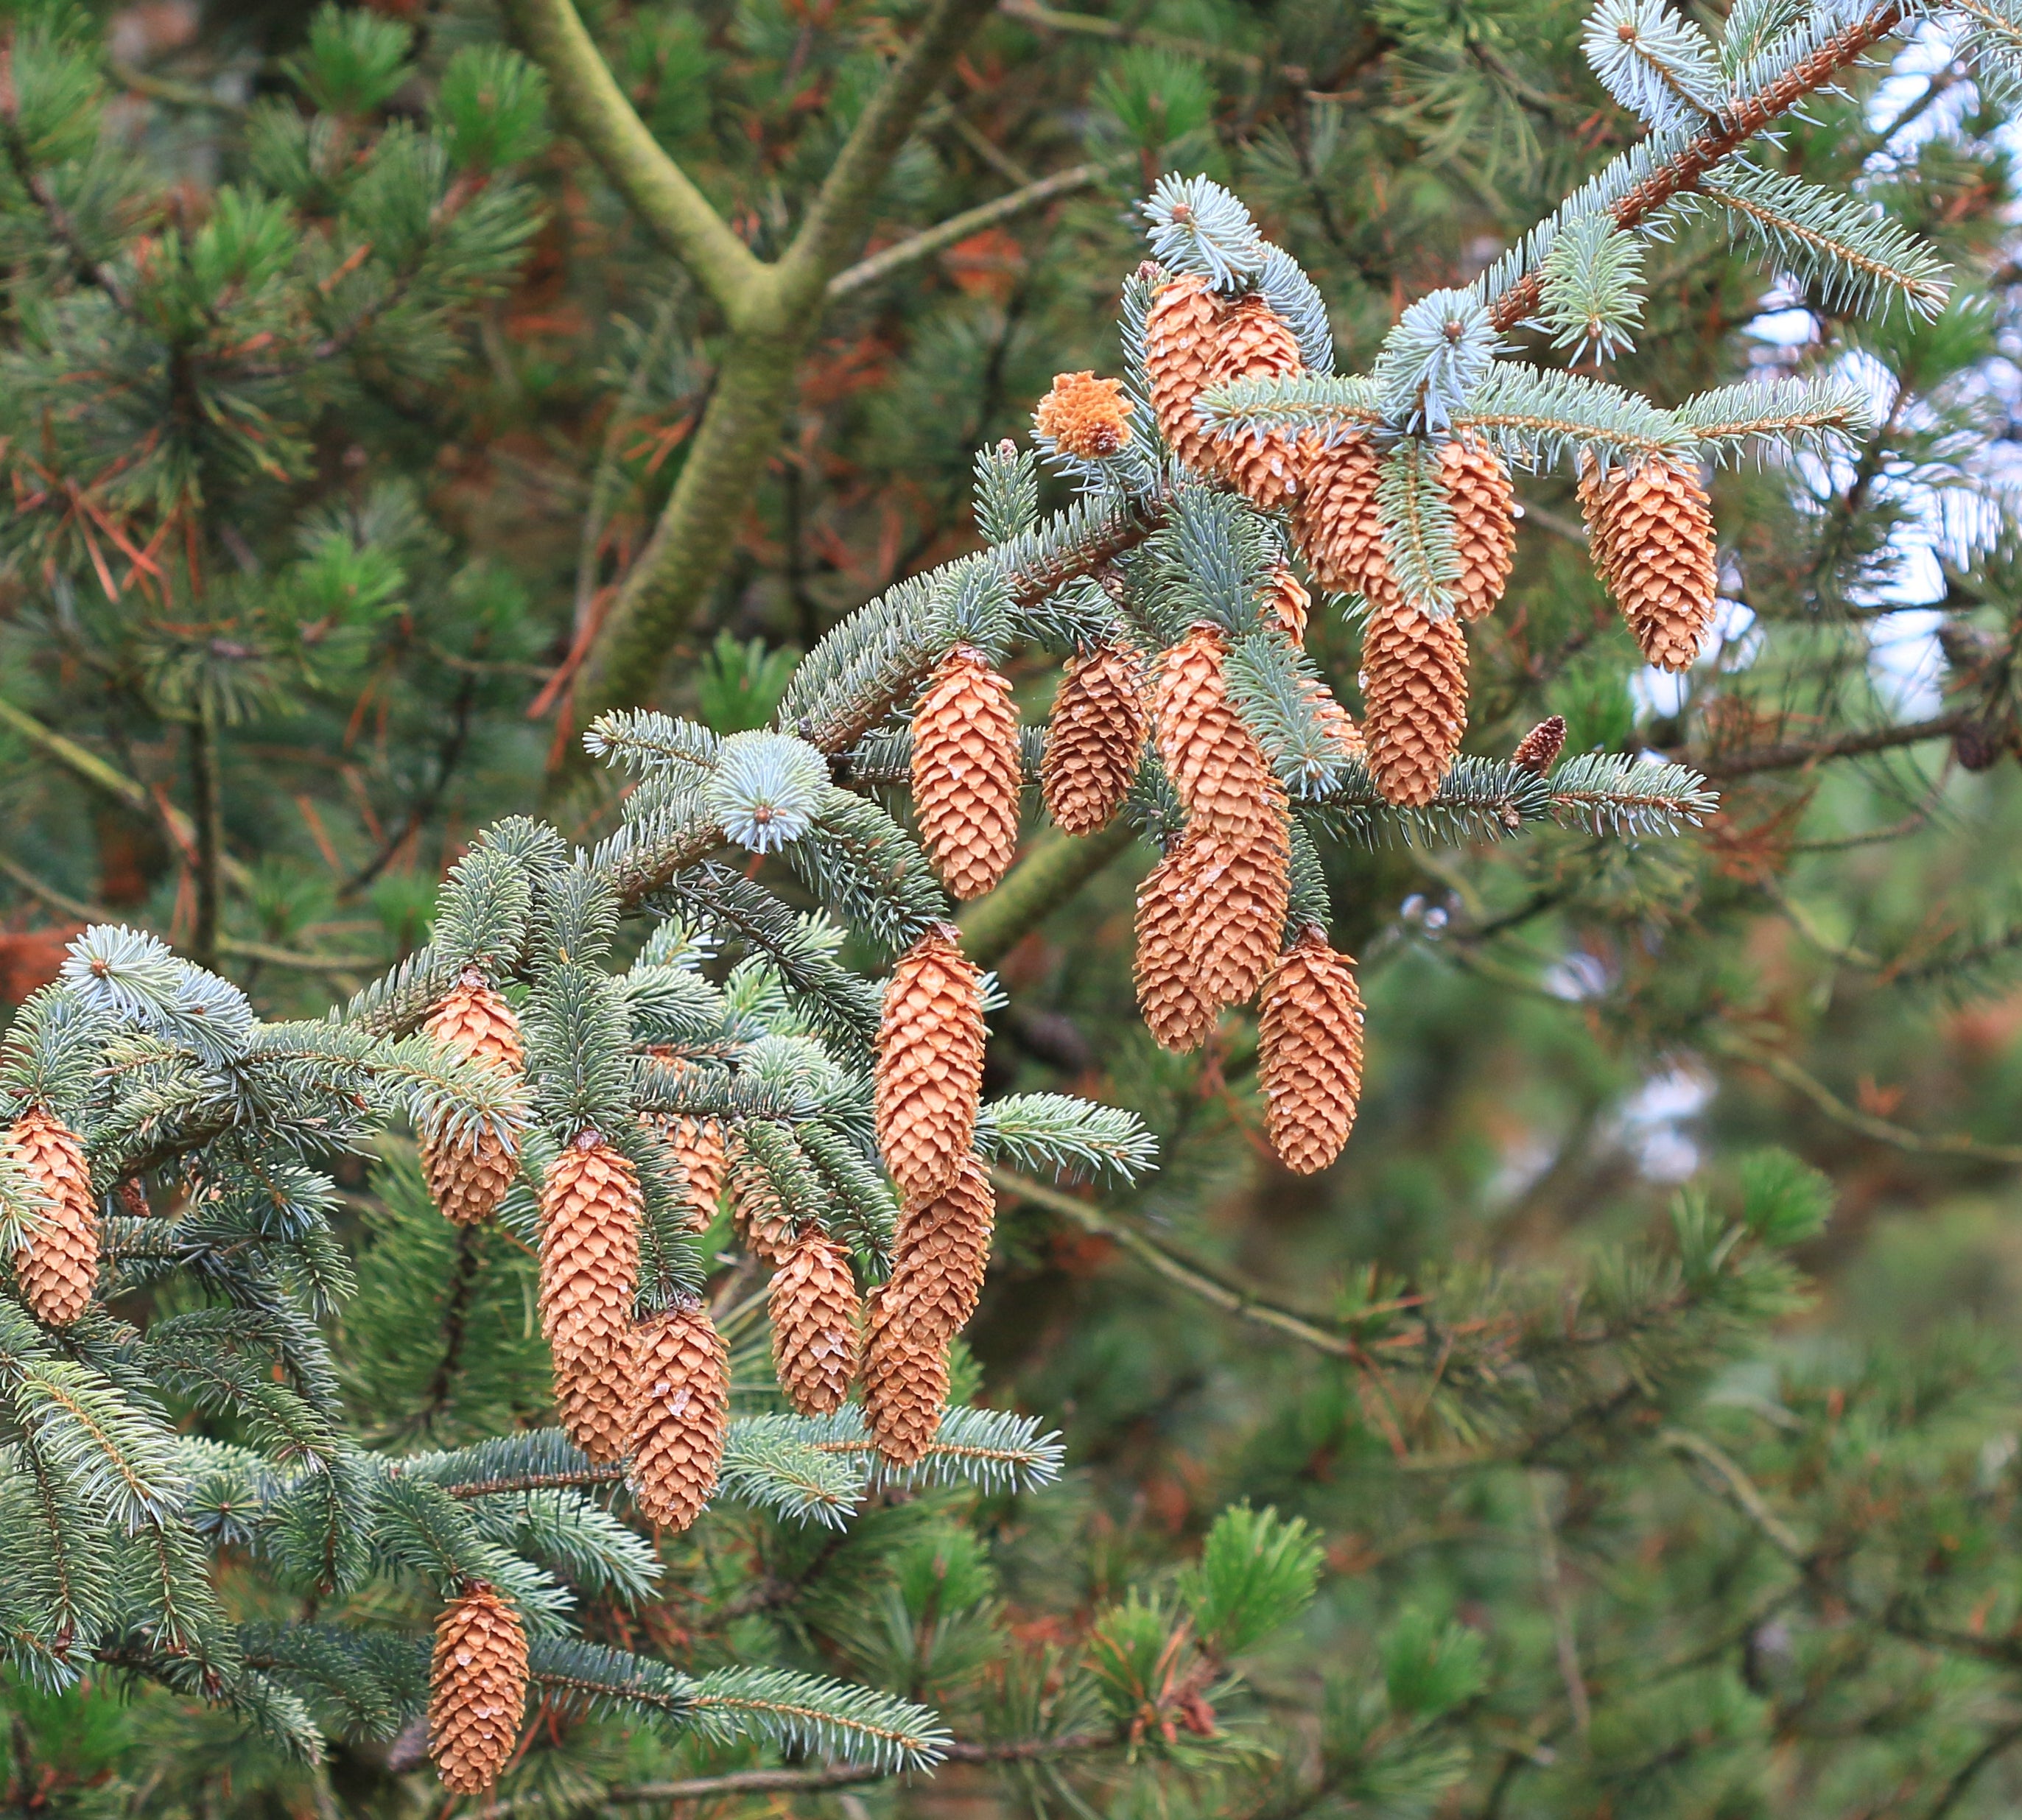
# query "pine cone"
(770, 1233)
(905, 1382)
(680, 1413)
(813, 1305)
(590, 1272)
(477, 1690)
(929, 1075)
(1287, 600)
(1651, 536)
(1415, 689)
(1086, 417)
(1182, 339)
(467, 1176)
(1216, 763)
(1241, 886)
(1335, 721)
(58, 1266)
(1168, 994)
(1538, 749)
(1478, 490)
(967, 774)
(940, 1253)
(698, 1144)
(1094, 739)
(1255, 343)
(1310, 1031)
(1337, 524)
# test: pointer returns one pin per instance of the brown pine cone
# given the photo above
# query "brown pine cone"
(1094, 739)
(905, 1380)
(698, 1145)
(1168, 994)
(679, 1415)
(1651, 535)
(1538, 749)
(813, 1305)
(1478, 490)
(1286, 599)
(929, 1074)
(967, 772)
(1335, 720)
(1337, 524)
(1309, 1032)
(1242, 886)
(1255, 343)
(467, 1176)
(940, 1253)
(1414, 691)
(1216, 763)
(590, 1272)
(770, 1233)
(1086, 417)
(477, 1690)
(58, 1266)
(1181, 340)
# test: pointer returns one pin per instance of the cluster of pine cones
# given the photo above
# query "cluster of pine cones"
(1650, 529)
(657, 1392)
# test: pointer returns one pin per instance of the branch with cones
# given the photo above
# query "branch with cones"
(732, 1086)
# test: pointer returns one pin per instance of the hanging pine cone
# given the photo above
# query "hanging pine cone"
(1217, 766)
(1286, 599)
(58, 1267)
(1651, 536)
(698, 1145)
(905, 1381)
(1094, 739)
(940, 1253)
(1086, 417)
(1309, 1033)
(769, 1231)
(477, 1690)
(469, 1176)
(679, 1413)
(1241, 885)
(1335, 721)
(967, 773)
(1478, 490)
(813, 1305)
(1169, 995)
(1182, 338)
(1415, 690)
(590, 1272)
(1538, 749)
(1337, 524)
(1255, 343)
(929, 1074)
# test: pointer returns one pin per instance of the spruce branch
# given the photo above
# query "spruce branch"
(1646, 179)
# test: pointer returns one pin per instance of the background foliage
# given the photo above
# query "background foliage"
(1643, 1469)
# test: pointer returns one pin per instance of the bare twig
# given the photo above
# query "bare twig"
(265, 953)
(929, 241)
(1118, 31)
(1568, 1643)
(1782, 1068)
(1795, 754)
(1197, 1279)
(1739, 1490)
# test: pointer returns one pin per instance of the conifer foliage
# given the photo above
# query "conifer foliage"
(746, 979)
